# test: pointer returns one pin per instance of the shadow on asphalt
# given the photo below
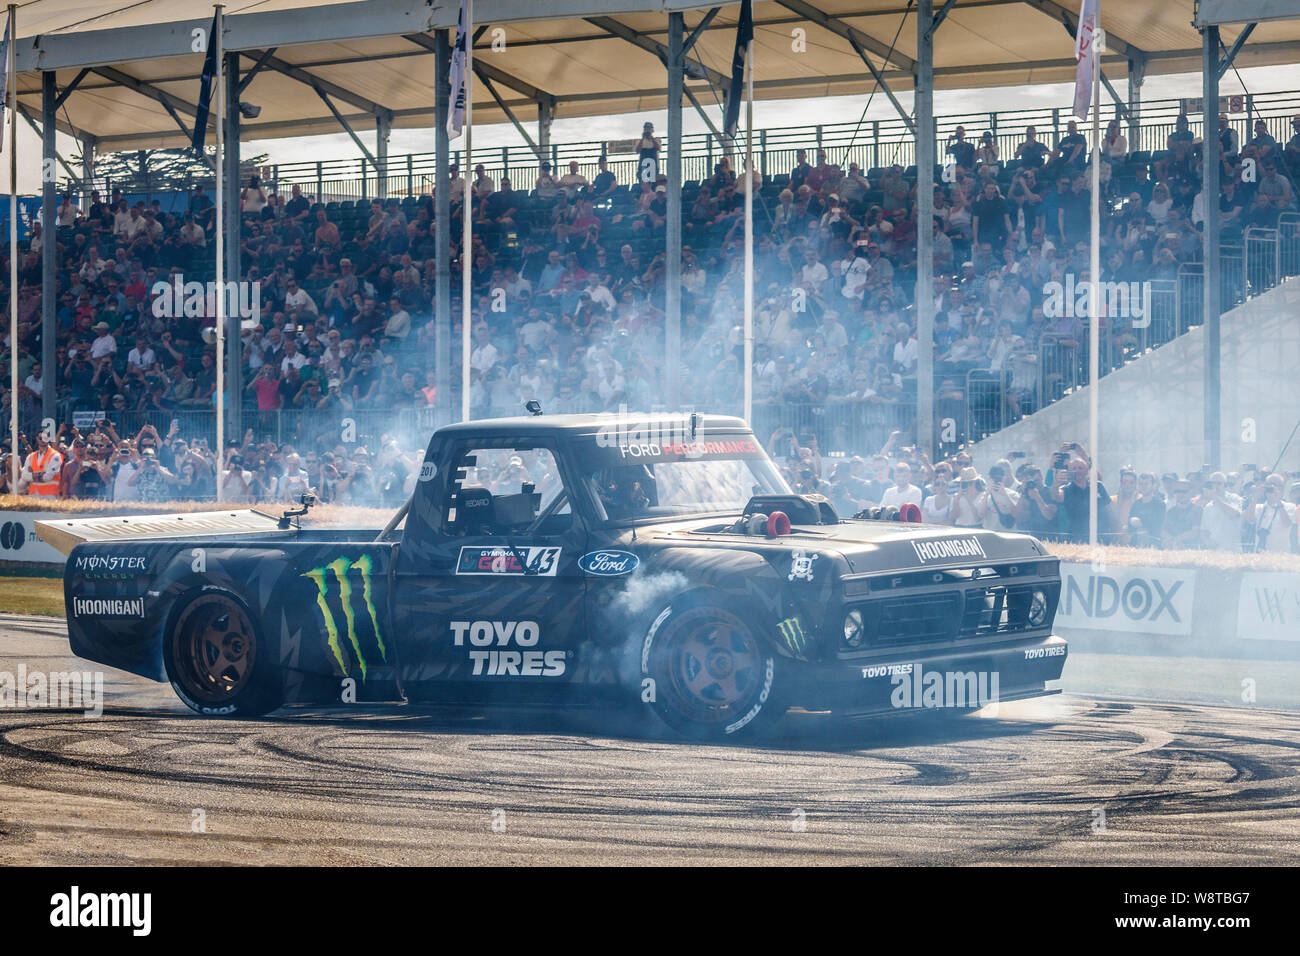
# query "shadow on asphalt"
(797, 731)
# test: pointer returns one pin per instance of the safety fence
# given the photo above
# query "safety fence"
(870, 143)
(409, 427)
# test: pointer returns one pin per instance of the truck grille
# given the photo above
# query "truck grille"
(996, 610)
(919, 618)
(973, 612)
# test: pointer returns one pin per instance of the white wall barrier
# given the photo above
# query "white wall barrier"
(19, 541)
(1127, 600)
(1184, 612)
(1268, 607)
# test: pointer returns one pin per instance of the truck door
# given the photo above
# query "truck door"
(496, 610)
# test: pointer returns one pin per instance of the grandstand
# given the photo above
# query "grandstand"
(632, 311)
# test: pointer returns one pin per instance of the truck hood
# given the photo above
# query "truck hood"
(871, 546)
(878, 546)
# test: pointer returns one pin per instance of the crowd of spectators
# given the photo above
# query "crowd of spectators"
(568, 280)
(146, 466)
(1257, 510)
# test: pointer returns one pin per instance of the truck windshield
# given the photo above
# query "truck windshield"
(627, 489)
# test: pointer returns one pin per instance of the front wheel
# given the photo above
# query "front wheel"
(217, 660)
(712, 678)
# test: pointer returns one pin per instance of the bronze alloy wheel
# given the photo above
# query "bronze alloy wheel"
(216, 648)
(714, 664)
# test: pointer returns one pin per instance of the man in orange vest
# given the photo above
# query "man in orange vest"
(43, 469)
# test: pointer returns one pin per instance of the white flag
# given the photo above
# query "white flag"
(1083, 41)
(456, 111)
(4, 75)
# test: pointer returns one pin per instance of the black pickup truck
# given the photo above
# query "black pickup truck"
(575, 561)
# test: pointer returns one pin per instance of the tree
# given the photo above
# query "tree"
(152, 171)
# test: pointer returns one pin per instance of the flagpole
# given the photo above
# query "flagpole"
(1094, 287)
(749, 232)
(221, 266)
(12, 118)
(467, 213)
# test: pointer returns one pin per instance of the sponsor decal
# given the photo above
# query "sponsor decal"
(931, 688)
(108, 607)
(110, 566)
(791, 631)
(428, 471)
(1034, 653)
(609, 563)
(1268, 607)
(650, 638)
(120, 910)
(1134, 600)
(688, 449)
(487, 637)
(948, 548)
(542, 562)
(801, 566)
(340, 572)
(753, 712)
(20, 540)
(886, 670)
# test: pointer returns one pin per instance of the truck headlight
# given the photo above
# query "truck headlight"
(855, 631)
(1037, 609)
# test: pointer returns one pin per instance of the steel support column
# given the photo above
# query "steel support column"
(545, 116)
(1136, 77)
(1212, 281)
(442, 229)
(87, 169)
(676, 65)
(383, 128)
(49, 245)
(230, 163)
(926, 149)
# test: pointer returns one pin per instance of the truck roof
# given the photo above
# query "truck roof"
(571, 426)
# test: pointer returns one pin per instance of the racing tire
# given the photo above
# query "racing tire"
(217, 660)
(714, 678)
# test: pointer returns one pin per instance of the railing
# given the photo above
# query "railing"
(870, 143)
(409, 427)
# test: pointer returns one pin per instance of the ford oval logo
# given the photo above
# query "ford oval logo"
(609, 563)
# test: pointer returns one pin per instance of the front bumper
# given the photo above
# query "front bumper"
(962, 678)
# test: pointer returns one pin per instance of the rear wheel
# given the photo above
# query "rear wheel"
(217, 661)
(713, 678)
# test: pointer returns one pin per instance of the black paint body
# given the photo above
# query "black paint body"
(404, 595)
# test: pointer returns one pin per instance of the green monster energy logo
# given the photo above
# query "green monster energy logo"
(338, 570)
(792, 633)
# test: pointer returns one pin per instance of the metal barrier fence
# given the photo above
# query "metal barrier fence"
(1261, 251)
(843, 426)
(1288, 246)
(309, 428)
(870, 143)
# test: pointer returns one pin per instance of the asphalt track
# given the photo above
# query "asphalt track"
(1178, 783)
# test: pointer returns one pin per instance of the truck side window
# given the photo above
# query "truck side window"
(503, 490)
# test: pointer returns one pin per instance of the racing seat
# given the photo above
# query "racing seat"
(473, 511)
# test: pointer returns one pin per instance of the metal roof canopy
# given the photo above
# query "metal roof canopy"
(1212, 12)
(116, 64)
